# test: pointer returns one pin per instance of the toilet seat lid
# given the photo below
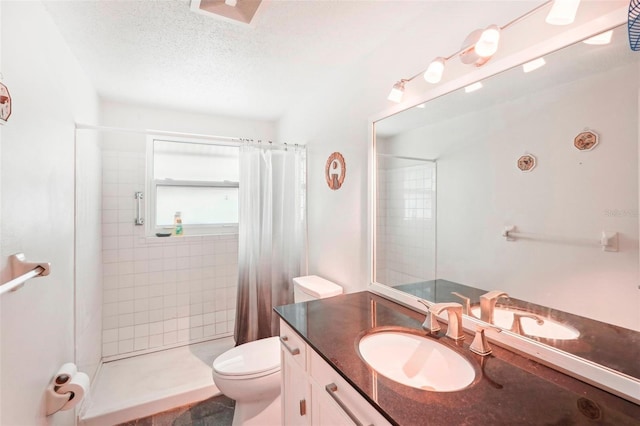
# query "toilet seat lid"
(259, 356)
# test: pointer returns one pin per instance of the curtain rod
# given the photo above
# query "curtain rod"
(81, 126)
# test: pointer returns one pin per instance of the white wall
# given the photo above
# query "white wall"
(334, 117)
(144, 117)
(49, 93)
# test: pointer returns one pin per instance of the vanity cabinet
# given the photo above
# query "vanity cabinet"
(313, 393)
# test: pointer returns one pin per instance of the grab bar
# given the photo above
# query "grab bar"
(139, 220)
(21, 271)
(608, 240)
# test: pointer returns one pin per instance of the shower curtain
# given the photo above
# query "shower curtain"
(272, 236)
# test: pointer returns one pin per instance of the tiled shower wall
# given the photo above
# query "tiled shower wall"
(158, 292)
(406, 215)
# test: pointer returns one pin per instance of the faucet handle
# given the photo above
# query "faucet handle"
(430, 324)
(480, 345)
(516, 326)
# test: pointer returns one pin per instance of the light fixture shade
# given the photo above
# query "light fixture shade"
(433, 74)
(533, 65)
(397, 91)
(473, 87)
(231, 3)
(480, 46)
(602, 38)
(563, 12)
(487, 45)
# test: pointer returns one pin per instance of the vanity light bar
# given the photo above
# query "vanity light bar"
(478, 48)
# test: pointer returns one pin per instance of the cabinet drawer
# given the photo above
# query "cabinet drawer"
(293, 345)
(338, 395)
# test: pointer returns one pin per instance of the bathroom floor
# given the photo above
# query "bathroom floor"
(216, 411)
(140, 386)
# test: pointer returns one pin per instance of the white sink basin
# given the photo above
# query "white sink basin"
(549, 329)
(416, 361)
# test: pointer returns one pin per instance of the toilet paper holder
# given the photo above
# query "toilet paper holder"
(66, 389)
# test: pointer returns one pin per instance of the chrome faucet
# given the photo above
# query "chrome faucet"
(454, 313)
(488, 304)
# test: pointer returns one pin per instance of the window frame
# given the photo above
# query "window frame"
(152, 184)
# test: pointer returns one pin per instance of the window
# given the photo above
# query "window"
(197, 179)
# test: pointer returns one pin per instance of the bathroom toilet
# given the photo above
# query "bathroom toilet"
(250, 373)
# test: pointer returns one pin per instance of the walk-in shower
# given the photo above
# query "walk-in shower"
(136, 293)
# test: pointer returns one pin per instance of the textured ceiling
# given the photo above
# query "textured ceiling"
(161, 53)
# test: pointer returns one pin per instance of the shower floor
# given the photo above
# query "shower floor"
(139, 386)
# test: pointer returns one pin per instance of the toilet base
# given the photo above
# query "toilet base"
(258, 413)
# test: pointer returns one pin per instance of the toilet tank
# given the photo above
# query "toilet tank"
(312, 287)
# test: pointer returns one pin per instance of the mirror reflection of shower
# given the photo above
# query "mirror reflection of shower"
(406, 218)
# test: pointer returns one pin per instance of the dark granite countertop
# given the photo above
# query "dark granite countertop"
(605, 344)
(511, 389)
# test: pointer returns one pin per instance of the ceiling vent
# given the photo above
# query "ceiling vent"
(241, 11)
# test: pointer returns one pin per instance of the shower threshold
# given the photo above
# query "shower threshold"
(143, 385)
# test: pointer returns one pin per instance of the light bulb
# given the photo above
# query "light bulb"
(602, 38)
(533, 65)
(396, 92)
(563, 12)
(433, 74)
(473, 87)
(487, 45)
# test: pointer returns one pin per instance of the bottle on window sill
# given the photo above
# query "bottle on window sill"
(177, 225)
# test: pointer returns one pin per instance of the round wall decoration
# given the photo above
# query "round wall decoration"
(586, 140)
(526, 163)
(335, 171)
(5, 103)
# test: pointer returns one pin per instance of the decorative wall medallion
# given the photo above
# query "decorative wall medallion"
(335, 170)
(586, 140)
(5, 103)
(526, 163)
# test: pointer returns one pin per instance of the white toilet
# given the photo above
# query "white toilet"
(250, 373)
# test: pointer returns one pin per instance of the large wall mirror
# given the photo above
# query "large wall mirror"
(506, 189)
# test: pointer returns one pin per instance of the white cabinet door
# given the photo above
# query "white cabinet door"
(296, 393)
(296, 389)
